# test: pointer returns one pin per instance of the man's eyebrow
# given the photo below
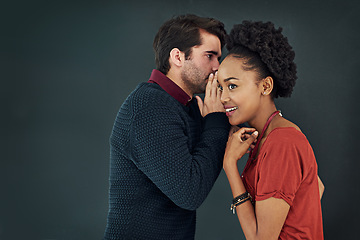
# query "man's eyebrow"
(212, 52)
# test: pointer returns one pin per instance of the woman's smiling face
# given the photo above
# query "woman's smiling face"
(240, 90)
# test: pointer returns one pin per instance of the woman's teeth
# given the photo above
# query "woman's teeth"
(231, 109)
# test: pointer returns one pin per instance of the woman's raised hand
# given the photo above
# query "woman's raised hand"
(240, 141)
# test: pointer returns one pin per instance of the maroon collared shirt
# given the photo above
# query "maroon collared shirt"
(169, 86)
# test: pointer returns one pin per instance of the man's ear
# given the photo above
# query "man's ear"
(177, 57)
(267, 85)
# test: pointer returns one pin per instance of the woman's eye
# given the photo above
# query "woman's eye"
(232, 86)
(220, 87)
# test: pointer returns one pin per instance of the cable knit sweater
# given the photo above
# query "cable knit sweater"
(164, 161)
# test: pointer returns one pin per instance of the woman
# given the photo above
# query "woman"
(277, 195)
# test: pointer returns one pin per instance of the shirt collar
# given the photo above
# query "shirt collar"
(170, 87)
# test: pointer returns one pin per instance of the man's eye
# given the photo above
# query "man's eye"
(209, 56)
(232, 86)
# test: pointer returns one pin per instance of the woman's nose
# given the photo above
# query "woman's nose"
(224, 98)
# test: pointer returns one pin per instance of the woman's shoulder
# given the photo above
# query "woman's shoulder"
(284, 129)
(286, 135)
(284, 123)
(287, 138)
(284, 143)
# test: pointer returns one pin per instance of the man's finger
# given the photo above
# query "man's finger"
(214, 86)
(200, 104)
(218, 94)
(208, 85)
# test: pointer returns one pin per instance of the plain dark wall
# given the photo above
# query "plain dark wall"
(68, 66)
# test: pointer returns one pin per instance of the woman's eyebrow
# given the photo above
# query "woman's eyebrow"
(230, 78)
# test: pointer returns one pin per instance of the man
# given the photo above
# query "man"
(166, 146)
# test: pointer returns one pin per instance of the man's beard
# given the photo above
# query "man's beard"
(194, 79)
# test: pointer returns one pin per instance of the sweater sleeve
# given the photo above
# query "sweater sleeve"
(160, 149)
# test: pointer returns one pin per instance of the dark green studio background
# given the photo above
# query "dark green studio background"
(66, 68)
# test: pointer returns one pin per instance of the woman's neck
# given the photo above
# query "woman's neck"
(259, 121)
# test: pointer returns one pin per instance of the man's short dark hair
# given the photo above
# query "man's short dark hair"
(182, 32)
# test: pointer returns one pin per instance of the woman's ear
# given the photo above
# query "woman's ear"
(267, 85)
(177, 57)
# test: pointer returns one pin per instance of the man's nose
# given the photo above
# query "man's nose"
(215, 65)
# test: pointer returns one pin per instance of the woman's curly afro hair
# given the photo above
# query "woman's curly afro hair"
(266, 50)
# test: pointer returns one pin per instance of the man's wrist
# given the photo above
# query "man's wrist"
(216, 120)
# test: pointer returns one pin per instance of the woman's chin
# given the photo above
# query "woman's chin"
(235, 122)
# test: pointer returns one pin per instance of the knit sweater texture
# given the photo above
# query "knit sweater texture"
(164, 160)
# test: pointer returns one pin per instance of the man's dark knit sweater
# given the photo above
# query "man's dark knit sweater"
(164, 161)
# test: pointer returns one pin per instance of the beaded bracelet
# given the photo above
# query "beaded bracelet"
(239, 200)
